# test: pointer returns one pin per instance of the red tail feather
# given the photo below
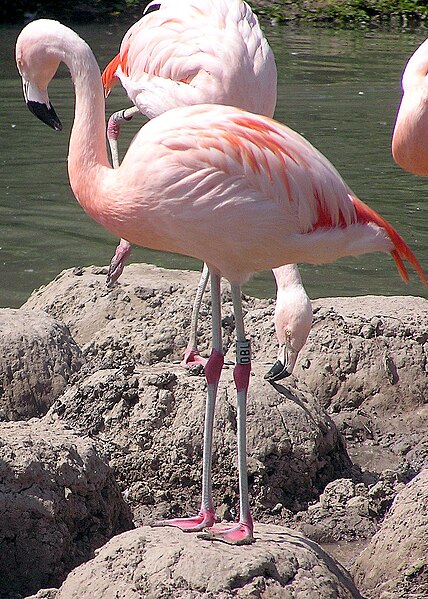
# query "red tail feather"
(401, 250)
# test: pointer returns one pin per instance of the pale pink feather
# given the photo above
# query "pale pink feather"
(239, 191)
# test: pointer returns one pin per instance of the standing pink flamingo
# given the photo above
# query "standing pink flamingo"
(236, 190)
(410, 135)
(198, 52)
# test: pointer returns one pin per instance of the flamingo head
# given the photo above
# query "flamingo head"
(37, 65)
(293, 321)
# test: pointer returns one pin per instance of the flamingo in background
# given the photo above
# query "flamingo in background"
(192, 52)
(198, 52)
(236, 190)
(410, 135)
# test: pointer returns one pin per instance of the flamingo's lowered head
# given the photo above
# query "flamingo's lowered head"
(293, 320)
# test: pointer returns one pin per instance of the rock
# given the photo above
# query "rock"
(37, 358)
(58, 502)
(349, 513)
(157, 563)
(395, 563)
(366, 361)
(342, 514)
(337, 494)
(365, 358)
(103, 320)
(146, 318)
(384, 371)
(149, 425)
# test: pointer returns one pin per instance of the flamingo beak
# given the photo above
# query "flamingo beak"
(284, 365)
(38, 103)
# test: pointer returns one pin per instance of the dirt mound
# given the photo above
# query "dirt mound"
(149, 424)
(145, 319)
(37, 359)
(395, 564)
(167, 564)
(362, 371)
(364, 361)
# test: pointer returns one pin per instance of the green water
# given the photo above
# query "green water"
(340, 89)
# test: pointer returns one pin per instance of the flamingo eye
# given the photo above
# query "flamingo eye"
(151, 8)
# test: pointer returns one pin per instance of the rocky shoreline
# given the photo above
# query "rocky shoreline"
(101, 430)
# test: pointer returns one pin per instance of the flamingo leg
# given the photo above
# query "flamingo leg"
(191, 354)
(123, 250)
(242, 532)
(206, 516)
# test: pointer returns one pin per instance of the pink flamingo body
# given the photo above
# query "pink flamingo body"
(410, 135)
(239, 191)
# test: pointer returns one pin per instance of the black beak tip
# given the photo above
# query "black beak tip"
(277, 372)
(46, 114)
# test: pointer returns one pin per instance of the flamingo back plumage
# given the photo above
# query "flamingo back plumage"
(327, 215)
(194, 53)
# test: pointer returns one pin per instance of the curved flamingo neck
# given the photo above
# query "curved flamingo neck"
(87, 141)
(87, 148)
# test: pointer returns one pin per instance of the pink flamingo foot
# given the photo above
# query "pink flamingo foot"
(238, 534)
(117, 263)
(204, 519)
(192, 357)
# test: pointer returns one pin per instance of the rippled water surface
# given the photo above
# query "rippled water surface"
(339, 89)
